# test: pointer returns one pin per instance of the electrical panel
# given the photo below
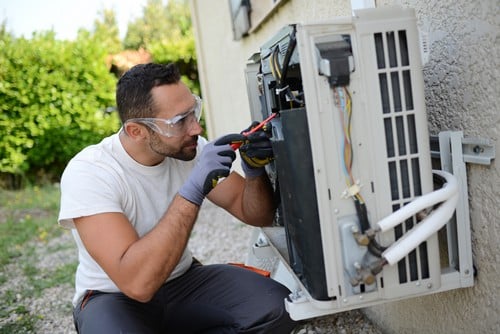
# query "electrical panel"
(357, 220)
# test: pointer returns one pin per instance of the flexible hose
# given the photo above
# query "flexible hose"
(427, 227)
(421, 232)
(446, 192)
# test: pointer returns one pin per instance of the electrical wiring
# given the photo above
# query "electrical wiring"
(279, 72)
(273, 62)
(288, 55)
(344, 104)
(342, 101)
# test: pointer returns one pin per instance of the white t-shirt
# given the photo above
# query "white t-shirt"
(104, 178)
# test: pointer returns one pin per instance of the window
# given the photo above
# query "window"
(248, 15)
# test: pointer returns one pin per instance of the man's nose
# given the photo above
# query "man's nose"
(195, 127)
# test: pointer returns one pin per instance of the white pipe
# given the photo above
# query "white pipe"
(421, 203)
(421, 231)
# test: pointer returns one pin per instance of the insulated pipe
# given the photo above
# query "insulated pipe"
(421, 203)
(421, 232)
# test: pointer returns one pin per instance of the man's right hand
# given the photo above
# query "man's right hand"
(255, 149)
(214, 163)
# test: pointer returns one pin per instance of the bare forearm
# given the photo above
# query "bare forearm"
(258, 204)
(151, 259)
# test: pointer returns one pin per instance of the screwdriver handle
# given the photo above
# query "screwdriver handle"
(236, 146)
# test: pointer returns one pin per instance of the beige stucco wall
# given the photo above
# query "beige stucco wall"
(462, 93)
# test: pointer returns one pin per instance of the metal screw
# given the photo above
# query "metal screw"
(478, 149)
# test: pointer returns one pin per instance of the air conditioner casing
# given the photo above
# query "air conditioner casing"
(375, 55)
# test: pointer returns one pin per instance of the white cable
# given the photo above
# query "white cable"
(421, 203)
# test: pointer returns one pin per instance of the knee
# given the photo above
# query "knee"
(281, 321)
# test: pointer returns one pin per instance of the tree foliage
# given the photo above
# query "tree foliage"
(52, 97)
(166, 32)
(107, 32)
(54, 93)
(151, 26)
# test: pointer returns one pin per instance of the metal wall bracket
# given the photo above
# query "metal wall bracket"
(478, 150)
(474, 150)
(454, 151)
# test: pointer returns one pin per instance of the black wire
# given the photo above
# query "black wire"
(288, 55)
(362, 215)
(282, 73)
(373, 247)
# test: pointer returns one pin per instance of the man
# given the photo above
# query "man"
(132, 201)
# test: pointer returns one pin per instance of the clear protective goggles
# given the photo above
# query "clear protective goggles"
(175, 126)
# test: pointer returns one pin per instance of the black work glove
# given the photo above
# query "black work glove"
(214, 163)
(255, 150)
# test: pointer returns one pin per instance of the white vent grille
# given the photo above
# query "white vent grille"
(393, 66)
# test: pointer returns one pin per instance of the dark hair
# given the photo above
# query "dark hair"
(133, 91)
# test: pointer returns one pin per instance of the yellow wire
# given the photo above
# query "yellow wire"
(271, 64)
(346, 127)
(275, 68)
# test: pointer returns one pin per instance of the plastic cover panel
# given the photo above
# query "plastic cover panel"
(293, 163)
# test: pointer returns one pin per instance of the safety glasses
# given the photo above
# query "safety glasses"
(175, 126)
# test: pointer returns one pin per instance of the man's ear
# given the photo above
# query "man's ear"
(135, 131)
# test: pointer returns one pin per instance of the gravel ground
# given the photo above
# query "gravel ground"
(53, 307)
(216, 238)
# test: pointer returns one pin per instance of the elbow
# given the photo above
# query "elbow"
(142, 286)
(140, 293)
(141, 297)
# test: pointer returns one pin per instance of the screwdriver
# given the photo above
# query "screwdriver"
(235, 146)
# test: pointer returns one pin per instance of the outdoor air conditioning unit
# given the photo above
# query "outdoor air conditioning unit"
(360, 205)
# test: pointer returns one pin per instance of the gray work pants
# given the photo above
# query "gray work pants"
(206, 299)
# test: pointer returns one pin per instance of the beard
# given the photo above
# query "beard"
(183, 151)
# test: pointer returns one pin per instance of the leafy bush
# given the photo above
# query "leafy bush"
(53, 93)
(52, 99)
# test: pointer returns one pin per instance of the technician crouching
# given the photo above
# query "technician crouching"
(132, 201)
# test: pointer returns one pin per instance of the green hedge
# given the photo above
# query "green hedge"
(53, 97)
